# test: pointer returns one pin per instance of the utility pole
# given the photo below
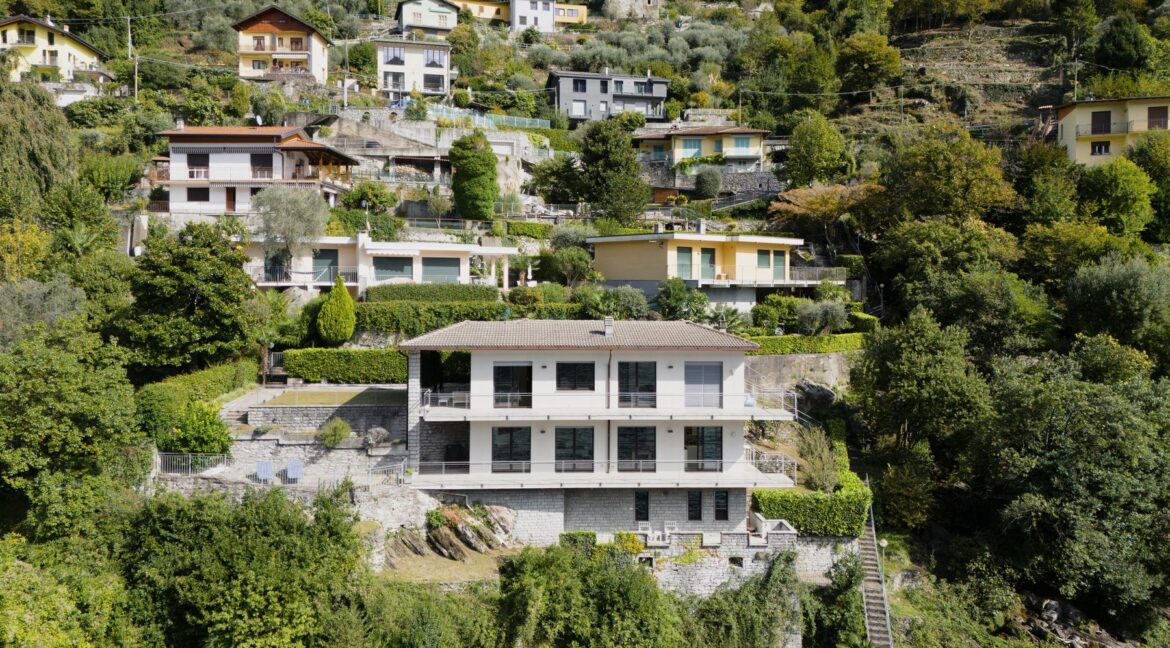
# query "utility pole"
(345, 79)
(130, 55)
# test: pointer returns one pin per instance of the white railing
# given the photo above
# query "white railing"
(485, 119)
(574, 402)
(767, 276)
(573, 466)
(772, 462)
(742, 153)
(283, 274)
(393, 474)
(183, 463)
(306, 174)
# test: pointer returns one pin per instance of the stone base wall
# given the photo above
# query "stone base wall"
(540, 514)
(361, 418)
(609, 510)
(738, 183)
(787, 371)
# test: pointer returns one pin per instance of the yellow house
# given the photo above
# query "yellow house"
(741, 148)
(274, 43)
(1096, 131)
(486, 10)
(728, 267)
(571, 14)
(47, 52)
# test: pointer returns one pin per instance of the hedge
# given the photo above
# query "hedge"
(433, 292)
(160, 405)
(552, 311)
(582, 541)
(863, 322)
(854, 264)
(530, 229)
(785, 344)
(840, 513)
(411, 318)
(349, 366)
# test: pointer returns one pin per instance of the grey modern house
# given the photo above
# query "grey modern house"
(585, 96)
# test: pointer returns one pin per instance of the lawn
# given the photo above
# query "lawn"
(314, 397)
(436, 569)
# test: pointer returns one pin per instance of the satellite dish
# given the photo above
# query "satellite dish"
(259, 120)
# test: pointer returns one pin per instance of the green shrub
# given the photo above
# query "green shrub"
(436, 519)
(411, 318)
(542, 231)
(199, 429)
(787, 308)
(582, 541)
(552, 311)
(336, 321)
(334, 432)
(349, 366)
(433, 292)
(854, 265)
(543, 293)
(628, 542)
(863, 322)
(161, 405)
(785, 344)
(765, 317)
(840, 513)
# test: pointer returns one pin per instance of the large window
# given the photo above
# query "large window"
(387, 268)
(684, 259)
(641, 506)
(433, 82)
(512, 383)
(578, 85)
(511, 449)
(694, 505)
(575, 376)
(198, 194)
(707, 263)
(763, 259)
(435, 58)
(440, 270)
(637, 384)
(394, 55)
(742, 143)
(574, 448)
(261, 165)
(198, 166)
(720, 505)
(692, 147)
(703, 447)
(704, 384)
(780, 265)
(636, 449)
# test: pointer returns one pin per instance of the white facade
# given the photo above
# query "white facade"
(436, 17)
(362, 263)
(406, 65)
(541, 14)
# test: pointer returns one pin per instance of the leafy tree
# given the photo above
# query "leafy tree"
(675, 301)
(914, 383)
(1052, 253)
(290, 218)
(377, 198)
(189, 292)
(28, 303)
(1128, 299)
(1046, 180)
(1151, 153)
(816, 151)
(1125, 43)
(473, 181)
(1118, 195)
(269, 107)
(38, 608)
(942, 172)
(822, 317)
(554, 180)
(707, 183)
(36, 152)
(866, 61)
(1076, 20)
(416, 110)
(573, 263)
(200, 429)
(608, 175)
(336, 321)
(833, 613)
(111, 176)
(24, 248)
(1102, 359)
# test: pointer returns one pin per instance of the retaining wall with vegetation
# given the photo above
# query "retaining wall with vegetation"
(362, 418)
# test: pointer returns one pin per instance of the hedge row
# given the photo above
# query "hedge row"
(433, 292)
(785, 344)
(411, 318)
(854, 264)
(840, 513)
(160, 405)
(530, 229)
(863, 322)
(349, 366)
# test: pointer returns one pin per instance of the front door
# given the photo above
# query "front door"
(230, 200)
(779, 265)
(707, 262)
(683, 261)
(324, 266)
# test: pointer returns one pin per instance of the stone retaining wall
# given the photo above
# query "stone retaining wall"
(540, 513)
(787, 371)
(361, 418)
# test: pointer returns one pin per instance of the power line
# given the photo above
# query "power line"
(104, 19)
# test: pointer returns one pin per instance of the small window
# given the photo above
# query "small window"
(532, 6)
(578, 85)
(641, 506)
(198, 194)
(52, 38)
(605, 86)
(259, 65)
(763, 259)
(695, 505)
(575, 376)
(718, 146)
(1099, 148)
(720, 505)
(523, 20)
(545, 6)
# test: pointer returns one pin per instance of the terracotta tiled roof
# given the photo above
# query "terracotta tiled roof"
(700, 130)
(242, 24)
(4, 22)
(578, 334)
(274, 131)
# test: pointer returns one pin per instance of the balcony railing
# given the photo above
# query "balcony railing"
(261, 173)
(198, 173)
(26, 40)
(594, 403)
(1114, 128)
(591, 466)
(1142, 125)
(509, 400)
(772, 462)
(766, 276)
(741, 153)
(288, 275)
(637, 399)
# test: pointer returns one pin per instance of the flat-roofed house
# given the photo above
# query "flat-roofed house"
(406, 65)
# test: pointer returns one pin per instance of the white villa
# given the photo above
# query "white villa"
(362, 263)
(595, 425)
(409, 64)
(215, 170)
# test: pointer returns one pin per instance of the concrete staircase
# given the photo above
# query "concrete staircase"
(873, 589)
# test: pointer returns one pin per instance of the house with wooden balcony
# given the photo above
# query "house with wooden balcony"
(600, 426)
(274, 44)
(409, 64)
(1097, 131)
(215, 170)
(49, 53)
(734, 269)
(362, 262)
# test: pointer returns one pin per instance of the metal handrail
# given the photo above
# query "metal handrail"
(575, 466)
(881, 565)
(593, 401)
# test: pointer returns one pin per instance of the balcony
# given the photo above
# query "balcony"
(462, 405)
(1098, 130)
(765, 276)
(261, 173)
(198, 173)
(742, 153)
(1143, 125)
(26, 41)
(285, 275)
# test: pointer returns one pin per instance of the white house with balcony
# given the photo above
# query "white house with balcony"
(362, 262)
(215, 170)
(594, 425)
(409, 64)
(274, 44)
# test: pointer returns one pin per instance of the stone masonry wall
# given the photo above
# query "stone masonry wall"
(437, 436)
(540, 513)
(360, 417)
(738, 183)
(607, 510)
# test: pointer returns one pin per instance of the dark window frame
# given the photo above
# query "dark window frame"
(640, 380)
(205, 192)
(721, 508)
(641, 506)
(579, 457)
(637, 448)
(694, 506)
(519, 438)
(577, 376)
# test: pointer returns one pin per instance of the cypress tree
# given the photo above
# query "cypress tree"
(336, 321)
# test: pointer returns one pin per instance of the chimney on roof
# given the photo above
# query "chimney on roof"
(659, 227)
(607, 70)
(179, 123)
(702, 225)
(609, 327)
(647, 73)
(49, 20)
